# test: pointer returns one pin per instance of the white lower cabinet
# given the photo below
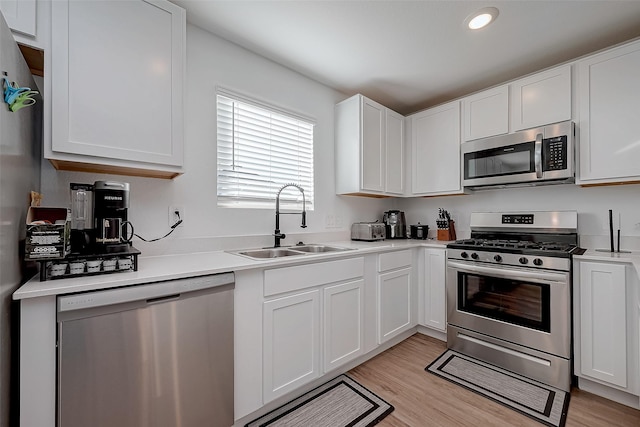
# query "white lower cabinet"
(394, 313)
(394, 294)
(606, 335)
(291, 342)
(343, 323)
(312, 322)
(433, 282)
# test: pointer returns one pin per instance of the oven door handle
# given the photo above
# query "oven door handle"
(531, 276)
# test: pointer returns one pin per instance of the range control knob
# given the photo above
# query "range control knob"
(464, 255)
(474, 255)
(523, 260)
(497, 258)
(537, 261)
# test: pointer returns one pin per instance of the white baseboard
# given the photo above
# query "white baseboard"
(442, 336)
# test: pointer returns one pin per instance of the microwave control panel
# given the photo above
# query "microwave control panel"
(554, 154)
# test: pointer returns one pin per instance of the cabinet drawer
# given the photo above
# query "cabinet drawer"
(393, 260)
(280, 280)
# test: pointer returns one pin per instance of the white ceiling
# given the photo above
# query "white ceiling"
(409, 55)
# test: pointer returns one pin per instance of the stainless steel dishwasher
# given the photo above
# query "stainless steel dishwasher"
(153, 355)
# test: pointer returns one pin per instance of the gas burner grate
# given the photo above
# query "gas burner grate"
(521, 245)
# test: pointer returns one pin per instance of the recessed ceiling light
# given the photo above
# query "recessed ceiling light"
(481, 18)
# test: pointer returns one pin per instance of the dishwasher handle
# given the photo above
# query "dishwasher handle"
(143, 292)
(165, 298)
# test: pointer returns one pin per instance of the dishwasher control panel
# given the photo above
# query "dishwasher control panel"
(150, 292)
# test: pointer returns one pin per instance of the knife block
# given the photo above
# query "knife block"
(447, 234)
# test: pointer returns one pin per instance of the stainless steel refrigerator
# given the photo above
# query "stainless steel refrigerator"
(20, 157)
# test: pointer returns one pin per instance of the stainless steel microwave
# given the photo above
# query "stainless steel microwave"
(537, 156)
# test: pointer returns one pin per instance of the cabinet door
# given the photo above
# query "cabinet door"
(373, 146)
(394, 303)
(342, 320)
(435, 161)
(541, 99)
(435, 305)
(394, 153)
(602, 322)
(291, 343)
(117, 81)
(609, 105)
(486, 113)
(20, 15)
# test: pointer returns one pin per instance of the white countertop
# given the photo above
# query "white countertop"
(169, 267)
(631, 257)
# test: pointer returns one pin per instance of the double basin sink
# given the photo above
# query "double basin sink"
(308, 249)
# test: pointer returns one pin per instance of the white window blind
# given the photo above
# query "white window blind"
(259, 150)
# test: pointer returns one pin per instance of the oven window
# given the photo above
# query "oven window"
(512, 301)
(510, 160)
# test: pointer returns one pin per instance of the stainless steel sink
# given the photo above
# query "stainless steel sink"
(269, 253)
(312, 248)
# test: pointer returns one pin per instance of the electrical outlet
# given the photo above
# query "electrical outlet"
(176, 213)
(338, 221)
(329, 221)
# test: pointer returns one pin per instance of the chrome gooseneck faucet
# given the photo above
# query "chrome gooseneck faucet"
(277, 234)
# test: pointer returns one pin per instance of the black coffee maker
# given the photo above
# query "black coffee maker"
(111, 203)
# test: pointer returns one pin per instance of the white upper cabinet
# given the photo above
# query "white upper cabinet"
(537, 100)
(20, 15)
(394, 173)
(609, 101)
(435, 151)
(373, 146)
(30, 23)
(369, 142)
(117, 83)
(541, 99)
(486, 113)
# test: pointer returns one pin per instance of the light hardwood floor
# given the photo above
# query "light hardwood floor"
(423, 399)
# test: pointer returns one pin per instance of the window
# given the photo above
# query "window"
(260, 149)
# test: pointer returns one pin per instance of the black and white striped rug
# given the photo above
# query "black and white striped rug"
(541, 402)
(341, 402)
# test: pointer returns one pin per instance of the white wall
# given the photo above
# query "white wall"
(592, 204)
(213, 61)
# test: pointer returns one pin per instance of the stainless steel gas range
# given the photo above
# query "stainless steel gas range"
(509, 293)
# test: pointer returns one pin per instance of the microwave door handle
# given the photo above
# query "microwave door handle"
(538, 155)
(530, 276)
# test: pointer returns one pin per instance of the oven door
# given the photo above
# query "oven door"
(522, 306)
